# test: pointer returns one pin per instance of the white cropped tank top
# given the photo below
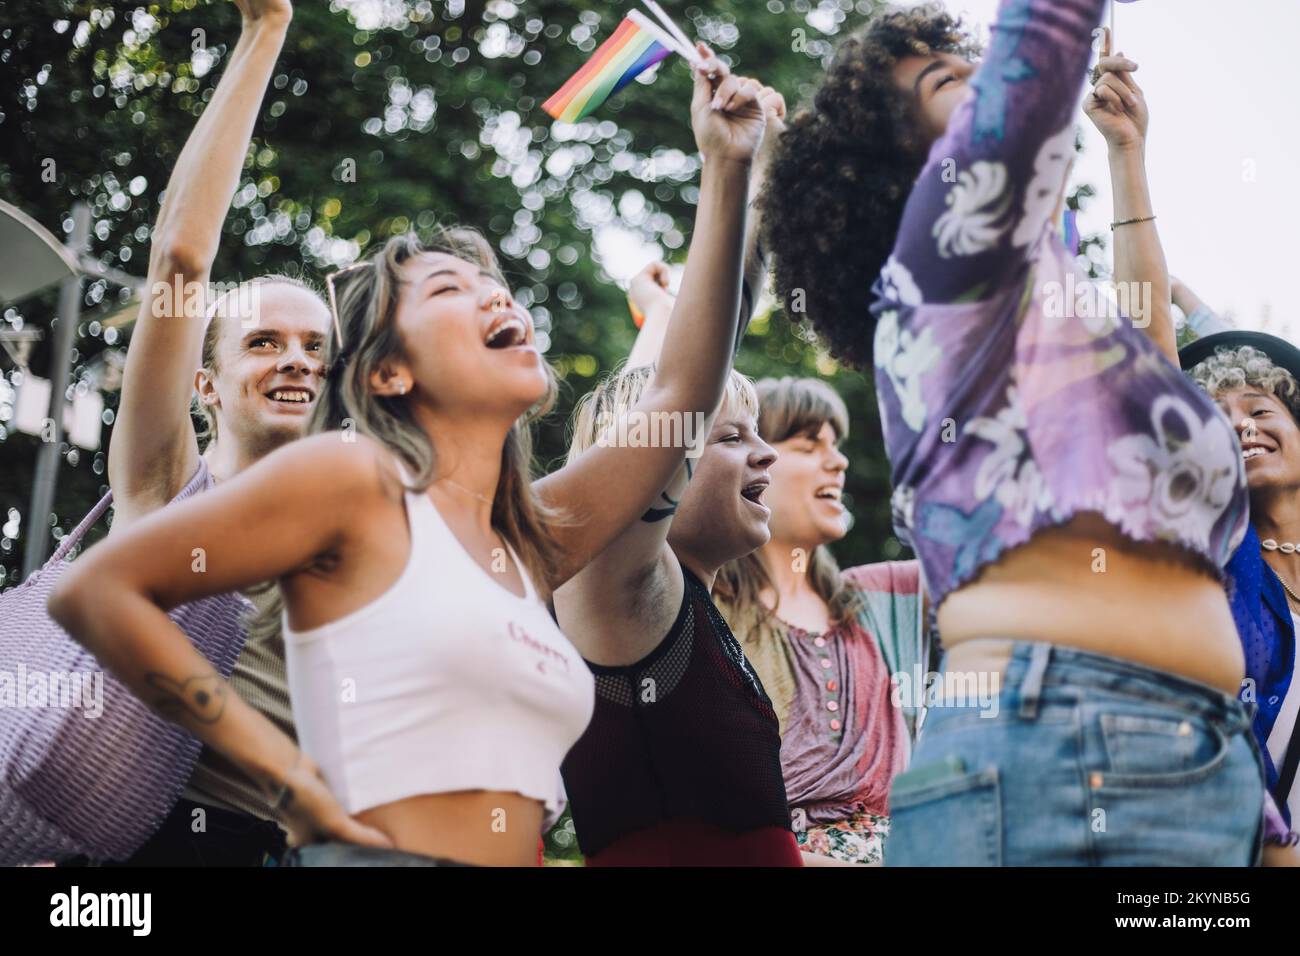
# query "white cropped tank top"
(448, 681)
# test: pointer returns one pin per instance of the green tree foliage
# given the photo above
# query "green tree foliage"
(386, 115)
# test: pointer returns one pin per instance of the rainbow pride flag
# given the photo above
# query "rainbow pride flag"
(632, 49)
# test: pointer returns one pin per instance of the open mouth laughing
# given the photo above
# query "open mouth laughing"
(753, 493)
(1251, 450)
(830, 494)
(508, 331)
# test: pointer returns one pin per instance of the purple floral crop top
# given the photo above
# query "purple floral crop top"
(1005, 409)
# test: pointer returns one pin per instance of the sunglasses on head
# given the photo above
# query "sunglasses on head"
(330, 281)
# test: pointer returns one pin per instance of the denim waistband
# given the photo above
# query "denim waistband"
(1036, 666)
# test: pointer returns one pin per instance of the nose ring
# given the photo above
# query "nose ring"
(1248, 427)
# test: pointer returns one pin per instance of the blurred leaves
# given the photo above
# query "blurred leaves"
(385, 115)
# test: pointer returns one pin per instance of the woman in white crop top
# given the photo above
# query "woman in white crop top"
(433, 695)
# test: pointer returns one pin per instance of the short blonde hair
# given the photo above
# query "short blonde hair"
(619, 391)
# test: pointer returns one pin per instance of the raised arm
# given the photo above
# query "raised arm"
(606, 489)
(648, 292)
(1118, 108)
(756, 258)
(992, 179)
(649, 288)
(1201, 319)
(114, 600)
(154, 450)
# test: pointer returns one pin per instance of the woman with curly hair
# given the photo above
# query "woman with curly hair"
(1253, 378)
(1075, 557)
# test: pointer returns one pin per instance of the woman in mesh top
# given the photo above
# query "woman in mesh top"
(825, 642)
(1071, 498)
(681, 762)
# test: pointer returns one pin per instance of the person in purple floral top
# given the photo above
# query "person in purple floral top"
(1070, 497)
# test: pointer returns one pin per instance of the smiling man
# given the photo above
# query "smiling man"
(259, 356)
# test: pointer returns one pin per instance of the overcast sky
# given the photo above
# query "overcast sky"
(1223, 152)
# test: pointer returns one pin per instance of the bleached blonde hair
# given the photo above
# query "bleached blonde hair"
(618, 393)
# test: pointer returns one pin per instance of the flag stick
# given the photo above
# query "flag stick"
(1113, 47)
(671, 27)
(661, 36)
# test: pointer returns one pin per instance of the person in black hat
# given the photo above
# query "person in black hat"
(1255, 378)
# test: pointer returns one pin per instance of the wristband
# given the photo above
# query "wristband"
(1129, 222)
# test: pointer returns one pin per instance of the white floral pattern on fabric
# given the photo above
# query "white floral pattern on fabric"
(977, 211)
(1050, 169)
(905, 358)
(1008, 473)
(903, 505)
(898, 285)
(1165, 482)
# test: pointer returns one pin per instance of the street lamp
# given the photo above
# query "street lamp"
(34, 260)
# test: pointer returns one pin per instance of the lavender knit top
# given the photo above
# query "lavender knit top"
(1006, 408)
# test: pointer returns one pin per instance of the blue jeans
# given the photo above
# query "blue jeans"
(1088, 761)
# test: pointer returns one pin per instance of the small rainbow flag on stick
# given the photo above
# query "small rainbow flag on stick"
(632, 49)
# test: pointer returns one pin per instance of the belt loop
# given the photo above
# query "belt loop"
(1031, 687)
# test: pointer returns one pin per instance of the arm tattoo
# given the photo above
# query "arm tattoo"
(202, 697)
(670, 503)
(659, 514)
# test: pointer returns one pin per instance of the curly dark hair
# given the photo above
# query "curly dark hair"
(843, 171)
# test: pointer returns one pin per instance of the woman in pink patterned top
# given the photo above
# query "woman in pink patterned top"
(825, 643)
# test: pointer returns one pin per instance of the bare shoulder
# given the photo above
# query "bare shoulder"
(333, 466)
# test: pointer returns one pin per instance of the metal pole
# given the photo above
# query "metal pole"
(47, 462)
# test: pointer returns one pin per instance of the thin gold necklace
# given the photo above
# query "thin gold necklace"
(1286, 587)
(469, 491)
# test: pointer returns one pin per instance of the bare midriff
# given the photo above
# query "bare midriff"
(482, 827)
(1085, 585)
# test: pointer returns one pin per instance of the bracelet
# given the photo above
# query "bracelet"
(1129, 222)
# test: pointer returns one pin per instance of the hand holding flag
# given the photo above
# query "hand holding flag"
(1116, 105)
(726, 111)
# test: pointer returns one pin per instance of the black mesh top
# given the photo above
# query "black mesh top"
(687, 733)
